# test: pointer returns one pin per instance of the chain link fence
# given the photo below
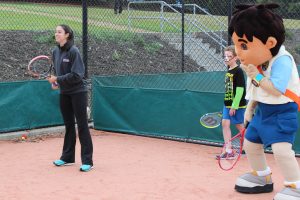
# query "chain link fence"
(129, 37)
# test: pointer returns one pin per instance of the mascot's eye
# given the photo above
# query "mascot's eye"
(244, 46)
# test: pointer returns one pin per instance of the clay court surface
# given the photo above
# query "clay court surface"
(127, 167)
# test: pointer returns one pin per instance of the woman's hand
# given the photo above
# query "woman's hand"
(53, 80)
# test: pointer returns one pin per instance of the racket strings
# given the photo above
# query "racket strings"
(230, 153)
(235, 145)
(211, 120)
(40, 68)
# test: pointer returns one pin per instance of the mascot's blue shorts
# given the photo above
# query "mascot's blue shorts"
(273, 124)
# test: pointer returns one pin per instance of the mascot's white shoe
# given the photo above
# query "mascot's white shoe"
(252, 183)
(288, 194)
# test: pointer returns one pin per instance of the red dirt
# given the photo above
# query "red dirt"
(127, 167)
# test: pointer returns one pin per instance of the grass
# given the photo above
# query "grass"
(153, 47)
(29, 16)
(49, 39)
(23, 21)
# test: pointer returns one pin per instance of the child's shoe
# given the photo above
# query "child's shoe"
(226, 155)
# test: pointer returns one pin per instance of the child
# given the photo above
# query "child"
(258, 34)
(234, 100)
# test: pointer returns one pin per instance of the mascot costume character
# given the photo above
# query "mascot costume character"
(273, 90)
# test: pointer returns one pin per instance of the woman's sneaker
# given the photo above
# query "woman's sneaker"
(252, 183)
(59, 163)
(86, 168)
(288, 194)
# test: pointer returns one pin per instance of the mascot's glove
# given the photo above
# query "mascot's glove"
(249, 111)
(250, 70)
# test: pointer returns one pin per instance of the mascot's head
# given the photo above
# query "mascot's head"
(257, 33)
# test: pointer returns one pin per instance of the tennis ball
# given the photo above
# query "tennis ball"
(24, 137)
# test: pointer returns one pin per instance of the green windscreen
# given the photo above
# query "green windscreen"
(167, 106)
(28, 105)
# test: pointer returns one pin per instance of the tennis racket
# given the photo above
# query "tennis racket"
(40, 67)
(228, 160)
(211, 120)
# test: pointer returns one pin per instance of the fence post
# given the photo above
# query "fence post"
(182, 36)
(85, 36)
(229, 12)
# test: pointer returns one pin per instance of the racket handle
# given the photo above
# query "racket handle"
(55, 85)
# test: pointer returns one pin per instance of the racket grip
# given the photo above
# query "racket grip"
(55, 84)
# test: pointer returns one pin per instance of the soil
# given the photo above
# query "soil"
(146, 54)
(105, 57)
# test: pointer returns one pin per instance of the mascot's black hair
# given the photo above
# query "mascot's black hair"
(258, 21)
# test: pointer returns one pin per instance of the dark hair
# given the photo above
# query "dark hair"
(259, 21)
(68, 29)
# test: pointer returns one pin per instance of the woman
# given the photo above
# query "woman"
(69, 70)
